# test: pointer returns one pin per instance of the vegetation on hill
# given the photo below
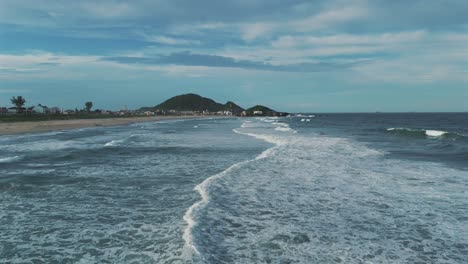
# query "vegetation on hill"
(197, 103)
(194, 102)
(190, 102)
(265, 110)
(233, 107)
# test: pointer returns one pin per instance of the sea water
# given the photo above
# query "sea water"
(329, 188)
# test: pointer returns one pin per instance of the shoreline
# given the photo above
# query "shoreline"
(14, 128)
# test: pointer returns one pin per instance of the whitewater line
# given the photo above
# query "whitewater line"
(202, 190)
(10, 159)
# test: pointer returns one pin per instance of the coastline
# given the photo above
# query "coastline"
(12, 128)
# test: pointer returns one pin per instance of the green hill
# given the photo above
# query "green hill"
(265, 110)
(190, 102)
(194, 102)
(233, 107)
(197, 103)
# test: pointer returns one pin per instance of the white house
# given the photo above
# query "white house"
(12, 110)
(39, 109)
(258, 112)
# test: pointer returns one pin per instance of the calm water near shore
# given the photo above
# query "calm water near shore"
(328, 188)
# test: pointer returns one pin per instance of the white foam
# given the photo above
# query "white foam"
(402, 129)
(330, 173)
(429, 132)
(195, 126)
(113, 143)
(283, 129)
(280, 124)
(435, 133)
(268, 138)
(43, 145)
(202, 190)
(10, 159)
(308, 120)
(189, 215)
(34, 165)
(118, 142)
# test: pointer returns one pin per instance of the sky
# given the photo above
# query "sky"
(291, 55)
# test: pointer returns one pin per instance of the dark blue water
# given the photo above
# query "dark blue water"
(329, 188)
(405, 136)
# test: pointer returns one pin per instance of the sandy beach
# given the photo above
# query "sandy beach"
(52, 125)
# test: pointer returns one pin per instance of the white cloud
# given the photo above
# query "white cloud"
(348, 39)
(37, 59)
(44, 65)
(328, 18)
(395, 57)
(108, 9)
(170, 41)
(406, 71)
(281, 56)
(437, 57)
(253, 31)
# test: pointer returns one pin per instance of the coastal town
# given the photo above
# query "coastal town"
(182, 105)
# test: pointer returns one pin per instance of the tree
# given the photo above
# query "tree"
(19, 102)
(88, 106)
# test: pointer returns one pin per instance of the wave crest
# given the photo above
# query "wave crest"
(423, 133)
(10, 159)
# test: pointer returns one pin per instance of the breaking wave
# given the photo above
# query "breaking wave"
(202, 189)
(424, 133)
(10, 159)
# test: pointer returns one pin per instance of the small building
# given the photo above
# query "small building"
(3, 110)
(39, 109)
(55, 110)
(12, 110)
(258, 113)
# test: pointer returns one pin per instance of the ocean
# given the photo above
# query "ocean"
(310, 188)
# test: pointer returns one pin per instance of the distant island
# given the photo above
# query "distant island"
(194, 104)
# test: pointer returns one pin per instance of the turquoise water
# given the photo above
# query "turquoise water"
(304, 189)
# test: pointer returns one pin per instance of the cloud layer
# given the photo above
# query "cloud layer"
(348, 43)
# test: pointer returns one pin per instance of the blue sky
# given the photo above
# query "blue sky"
(298, 56)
